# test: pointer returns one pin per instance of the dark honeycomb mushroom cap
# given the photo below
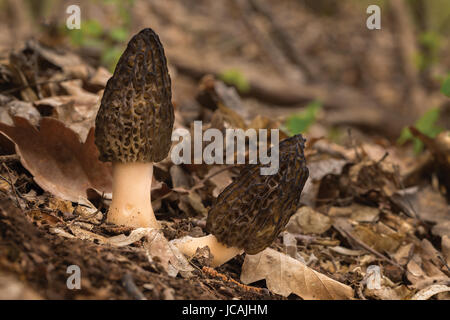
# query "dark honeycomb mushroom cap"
(252, 211)
(135, 119)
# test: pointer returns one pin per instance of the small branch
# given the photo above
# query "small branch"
(285, 41)
(9, 158)
(131, 288)
(366, 247)
(270, 51)
(213, 273)
(38, 83)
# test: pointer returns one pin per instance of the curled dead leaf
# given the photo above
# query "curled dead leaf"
(285, 275)
(427, 293)
(59, 162)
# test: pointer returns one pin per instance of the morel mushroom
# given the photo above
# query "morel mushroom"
(133, 127)
(252, 211)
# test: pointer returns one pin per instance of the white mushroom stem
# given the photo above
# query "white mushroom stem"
(221, 253)
(131, 203)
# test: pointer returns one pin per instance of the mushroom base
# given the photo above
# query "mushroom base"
(131, 204)
(221, 253)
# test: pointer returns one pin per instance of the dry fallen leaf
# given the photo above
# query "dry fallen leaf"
(377, 240)
(425, 266)
(221, 180)
(318, 170)
(431, 206)
(77, 110)
(285, 275)
(308, 221)
(155, 244)
(427, 293)
(59, 162)
(356, 211)
(387, 293)
(12, 287)
(446, 248)
(403, 253)
(172, 260)
(20, 109)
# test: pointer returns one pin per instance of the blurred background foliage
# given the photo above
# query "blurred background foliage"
(110, 42)
(107, 28)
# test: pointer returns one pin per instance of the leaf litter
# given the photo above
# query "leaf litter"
(371, 226)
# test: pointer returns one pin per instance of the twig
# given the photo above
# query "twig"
(285, 41)
(38, 83)
(367, 248)
(272, 53)
(304, 238)
(413, 92)
(386, 154)
(9, 158)
(16, 194)
(213, 273)
(407, 200)
(353, 145)
(444, 263)
(131, 288)
(360, 292)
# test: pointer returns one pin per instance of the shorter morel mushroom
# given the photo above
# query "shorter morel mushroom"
(133, 127)
(252, 211)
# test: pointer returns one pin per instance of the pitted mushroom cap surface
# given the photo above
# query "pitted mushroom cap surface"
(135, 119)
(255, 208)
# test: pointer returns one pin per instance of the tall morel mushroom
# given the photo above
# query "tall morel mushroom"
(133, 127)
(251, 212)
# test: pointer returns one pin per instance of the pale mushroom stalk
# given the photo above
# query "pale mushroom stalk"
(133, 128)
(251, 212)
(131, 204)
(220, 252)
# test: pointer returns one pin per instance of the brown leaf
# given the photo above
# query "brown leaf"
(167, 253)
(14, 288)
(381, 242)
(446, 248)
(427, 293)
(318, 170)
(308, 221)
(77, 110)
(59, 162)
(220, 180)
(430, 206)
(425, 266)
(285, 275)
(100, 78)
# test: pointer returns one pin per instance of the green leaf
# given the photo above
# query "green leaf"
(76, 37)
(118, 34)
(236, 78)
(426, 125)
(301, 121)
(445, 89)
(92, 28)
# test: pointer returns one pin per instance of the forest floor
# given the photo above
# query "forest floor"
(374, 221)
